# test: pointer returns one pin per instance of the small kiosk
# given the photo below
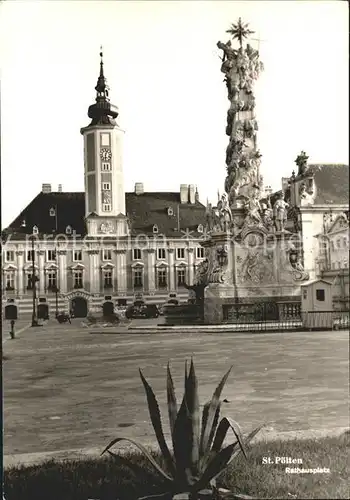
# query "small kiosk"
(317, 304)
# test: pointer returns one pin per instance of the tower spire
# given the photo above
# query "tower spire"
(102, 88)
(103, 112)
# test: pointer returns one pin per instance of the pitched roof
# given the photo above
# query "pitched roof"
(332, 183)
(143, 211)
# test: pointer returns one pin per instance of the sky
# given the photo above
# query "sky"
(163, 69)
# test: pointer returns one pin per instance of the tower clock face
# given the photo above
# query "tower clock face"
(105, 154)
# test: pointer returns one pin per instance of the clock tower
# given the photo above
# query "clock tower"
(103, 165)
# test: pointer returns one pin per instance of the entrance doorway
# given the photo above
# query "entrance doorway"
(79, 307)
(108, 308)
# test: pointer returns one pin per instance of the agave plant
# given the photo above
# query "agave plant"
(199, 453)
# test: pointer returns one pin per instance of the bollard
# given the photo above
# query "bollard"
(12, 332)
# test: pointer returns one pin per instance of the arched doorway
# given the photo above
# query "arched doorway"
(108, 308)
(79, 307)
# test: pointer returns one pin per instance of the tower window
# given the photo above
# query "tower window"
(106, 207)
(106, 186)
(106, 167)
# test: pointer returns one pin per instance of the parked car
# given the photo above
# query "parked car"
(142, 311)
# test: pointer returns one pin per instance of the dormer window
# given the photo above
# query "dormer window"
(23, 224)
(200, 228)
(35, 230)
(52, 212)
(155, 228)
(170, 211)
(69, 230)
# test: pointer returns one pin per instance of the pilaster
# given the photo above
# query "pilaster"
(94, 272)
(190, 265)
(151, 269)
(62, 270)
(20, 263)
(171, 270)
(41, 263)
(121, 271)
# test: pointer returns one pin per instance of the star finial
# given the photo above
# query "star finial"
(240, 31)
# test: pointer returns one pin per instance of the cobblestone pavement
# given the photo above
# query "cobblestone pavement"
(65, 388)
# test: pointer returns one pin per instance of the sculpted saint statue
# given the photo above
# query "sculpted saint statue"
(280, 213)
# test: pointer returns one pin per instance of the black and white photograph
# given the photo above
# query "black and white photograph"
(175, 249)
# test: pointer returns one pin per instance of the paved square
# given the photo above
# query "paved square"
(65, 388)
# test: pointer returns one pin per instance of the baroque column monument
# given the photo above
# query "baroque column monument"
(253, 252)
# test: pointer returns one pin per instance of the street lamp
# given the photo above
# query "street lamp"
(34, 280)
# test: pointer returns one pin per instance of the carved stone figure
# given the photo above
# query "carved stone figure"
(253, 207)
(299, 273)
(280, 213)
(301, 162)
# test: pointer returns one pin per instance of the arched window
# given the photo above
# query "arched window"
(155, 228)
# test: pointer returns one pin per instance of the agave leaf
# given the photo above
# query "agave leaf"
(144, 451)
(182, 445)
(205, 458)
(192, 403)
(215, 467)
(137, 469)
(172, 404)
(247, 440)
(225, 424)
(215, 401)
(204, 423)
(154, 412)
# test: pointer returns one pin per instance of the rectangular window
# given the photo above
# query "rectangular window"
(77, 255)
(107, 279)
(106, 186)
(138, 278)
(345, 242)
(51, 255)
(137, 254)
(78, 279)
(181, 277)
(107, 254)
(180, 253)
(320, 295)
(332, 245)
(161, 253)
(338, 243)
(30, 254)
(10, 280)
(105, 139)
(162, 278)
(200, 253)
(106, 167)
(106, 207)
(10, 256)
(51, 280)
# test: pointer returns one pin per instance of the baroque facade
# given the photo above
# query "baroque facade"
(104, 244)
